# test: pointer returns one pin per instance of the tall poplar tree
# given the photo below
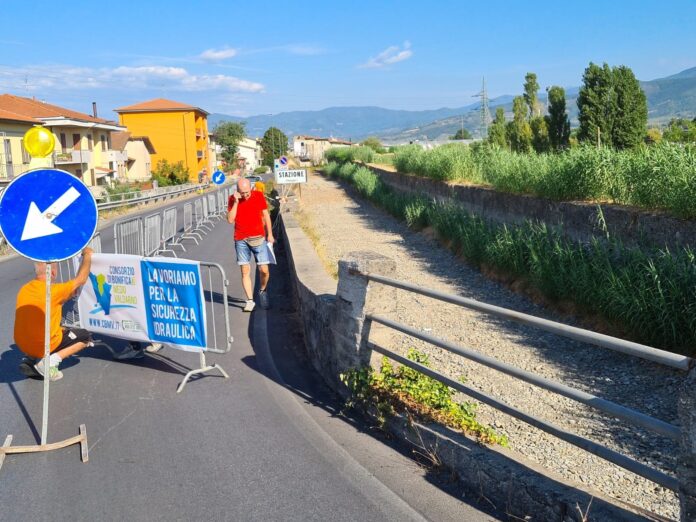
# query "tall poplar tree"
(596, 104)
(518, 130)
(631, 118)
(531, 88)
(557, 120)
(496, 132)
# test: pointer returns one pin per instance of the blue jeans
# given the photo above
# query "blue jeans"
(244, 252)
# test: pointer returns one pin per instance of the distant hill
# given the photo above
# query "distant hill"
(670, 97)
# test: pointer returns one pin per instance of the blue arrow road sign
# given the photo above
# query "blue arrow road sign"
(218, 177)
(47, 215)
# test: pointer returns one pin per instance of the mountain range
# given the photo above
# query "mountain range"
(669, 97)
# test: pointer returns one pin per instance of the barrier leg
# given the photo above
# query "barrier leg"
(81, 439)
(204, 368)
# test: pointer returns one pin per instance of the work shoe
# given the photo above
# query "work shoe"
(132, 351)
(54, 374)
(154, 347)
(26, 367)
(249, 306)
(263, 300)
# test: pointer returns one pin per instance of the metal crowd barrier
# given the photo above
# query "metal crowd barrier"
(189, 231)
(152, 227)
(169, 229)
(128, 237)
(212, 207)
(632, 416)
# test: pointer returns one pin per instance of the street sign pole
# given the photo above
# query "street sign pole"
(47, 356)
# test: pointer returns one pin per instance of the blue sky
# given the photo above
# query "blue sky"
(246, 58)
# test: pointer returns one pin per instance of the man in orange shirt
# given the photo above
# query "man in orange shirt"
(30, 318)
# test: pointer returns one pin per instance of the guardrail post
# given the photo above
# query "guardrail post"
(686, 468)
(357, 297)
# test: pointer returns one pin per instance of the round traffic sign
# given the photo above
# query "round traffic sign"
(283, 160)
(47, 215)
(218, 177)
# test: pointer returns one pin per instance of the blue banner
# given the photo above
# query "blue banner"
(174, 304)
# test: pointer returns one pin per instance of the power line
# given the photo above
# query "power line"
(484, 111)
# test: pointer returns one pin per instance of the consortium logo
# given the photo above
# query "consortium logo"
(108, 294)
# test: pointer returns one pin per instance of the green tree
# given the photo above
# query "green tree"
(680, 130)
(557, 120)
(170, 173)
(496, 132)
(531, 88)
(228, 134)
(462, 134)
(540, 134)
(273, 145)
(596, 104)
(519, 132)
(630, 120)
(374, 143)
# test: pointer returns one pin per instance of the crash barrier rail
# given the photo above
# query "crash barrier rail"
(615, 410)
(137, 197)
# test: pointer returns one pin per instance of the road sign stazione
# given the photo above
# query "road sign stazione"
(47, 215)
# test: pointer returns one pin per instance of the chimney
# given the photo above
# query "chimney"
(94, 109)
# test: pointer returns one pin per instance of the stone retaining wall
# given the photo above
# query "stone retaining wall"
(579, 220)
(336, 334)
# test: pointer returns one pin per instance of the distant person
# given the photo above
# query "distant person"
(260, 186)
(248, 211)
(30, 318)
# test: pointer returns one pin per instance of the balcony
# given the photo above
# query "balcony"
(117, 156)
(72, 156)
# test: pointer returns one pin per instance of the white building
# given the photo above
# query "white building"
(249, 153)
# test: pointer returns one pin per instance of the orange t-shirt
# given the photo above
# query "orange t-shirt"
(30, 315)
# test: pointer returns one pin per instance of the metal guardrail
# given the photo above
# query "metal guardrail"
(632, 416)
(133, 198)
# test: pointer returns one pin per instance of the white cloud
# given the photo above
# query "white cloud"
(217, 55)
(390, 55)
(64, 78)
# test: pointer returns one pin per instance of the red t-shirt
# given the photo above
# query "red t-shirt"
(249, 220)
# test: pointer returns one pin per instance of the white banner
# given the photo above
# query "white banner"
(149, 299)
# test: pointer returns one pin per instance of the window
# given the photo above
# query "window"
(103, 141)
(78, 173)
(63, 142)
(26, 158)
(90, 142)
(76, 140)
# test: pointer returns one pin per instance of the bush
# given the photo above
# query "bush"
(170, 173)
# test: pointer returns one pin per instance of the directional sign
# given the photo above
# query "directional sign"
(286, 177)
(218, 177)
(47, 215)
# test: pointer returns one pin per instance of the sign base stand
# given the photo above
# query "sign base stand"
(204, 368)
(81, 439)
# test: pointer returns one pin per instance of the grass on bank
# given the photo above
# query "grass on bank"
(656, 177)
(646, 295)
(407, 391)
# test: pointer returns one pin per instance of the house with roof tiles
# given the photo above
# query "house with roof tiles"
(177, 131)
(83, 141)
(135, 164)
(313, 148)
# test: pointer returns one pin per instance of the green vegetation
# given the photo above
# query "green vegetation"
(273, 144)
(373, 143)
(261, 170)
(170, 173)
(662, 176)
(347, 154)
(680, 130)
(612, 107)
(407, 391)
(649, 293)
(461, 134)
(228, 134)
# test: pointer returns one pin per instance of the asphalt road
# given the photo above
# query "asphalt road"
(269, 443)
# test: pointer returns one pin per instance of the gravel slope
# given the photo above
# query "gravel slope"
(343, 223)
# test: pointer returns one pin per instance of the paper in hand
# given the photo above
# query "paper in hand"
(271, 253)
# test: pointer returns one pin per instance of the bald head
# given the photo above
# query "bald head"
(243, 185)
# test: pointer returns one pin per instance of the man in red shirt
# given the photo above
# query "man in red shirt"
(248, 211)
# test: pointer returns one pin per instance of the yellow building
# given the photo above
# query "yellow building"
(178, 132)
(14, 160)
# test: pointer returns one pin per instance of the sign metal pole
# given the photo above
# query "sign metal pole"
(47, 355)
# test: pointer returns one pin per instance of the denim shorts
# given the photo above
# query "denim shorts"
(244, 252)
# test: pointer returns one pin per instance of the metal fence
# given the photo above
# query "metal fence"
(128, 236)
(616, 410)
(152, 233)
